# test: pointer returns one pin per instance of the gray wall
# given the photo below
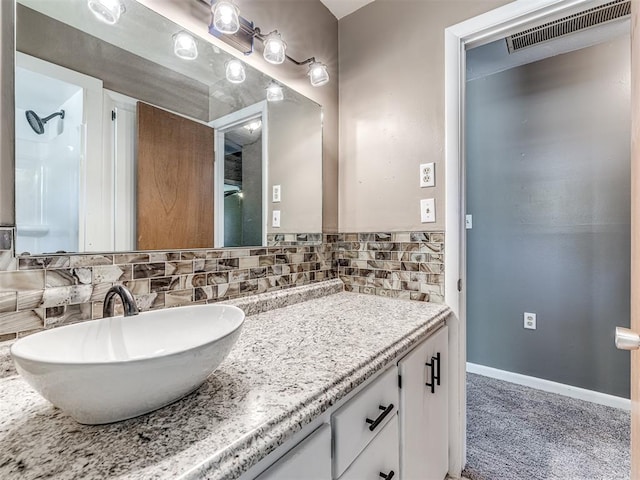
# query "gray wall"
(548, 186)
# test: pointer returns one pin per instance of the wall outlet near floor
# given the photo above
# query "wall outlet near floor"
(427, 175)
(275, 219)
(276, 193)
(428, 210)
(530, 320)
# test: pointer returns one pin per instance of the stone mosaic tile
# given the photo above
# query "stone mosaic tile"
(149, 270)
(165, 284)
(90, 260)
(112, 273)
(74, 276)
(66, 295)
(22, 280)
(155, 257)
(138, 287)
(39, 263)
(131, 258)
(377, 263)
(100, 291)
(179, 268)
(174, 298)
(67, 314)
(21, 321)
(217, 278)
(8, 302)
(28, 299)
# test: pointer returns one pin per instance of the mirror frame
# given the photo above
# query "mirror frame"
(7, 109)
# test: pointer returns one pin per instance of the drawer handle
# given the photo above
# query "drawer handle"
(435, 372)
(376, 422)
(388, 476)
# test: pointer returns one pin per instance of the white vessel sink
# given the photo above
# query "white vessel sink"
(116, 368)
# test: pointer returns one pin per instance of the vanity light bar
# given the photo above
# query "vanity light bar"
(275, 48)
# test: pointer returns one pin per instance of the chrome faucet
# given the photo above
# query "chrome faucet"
(128, 302)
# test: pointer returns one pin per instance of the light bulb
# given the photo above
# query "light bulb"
(235, 71)
(274, 48)
(107, 11)
(184, 46)
(253, 126)
(318, 74)
(274, 92)
(225, 17)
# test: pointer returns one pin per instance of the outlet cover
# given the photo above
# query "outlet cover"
(428, 174)
(275, 219)
(277, 190)
(428, 210)
(529, 321)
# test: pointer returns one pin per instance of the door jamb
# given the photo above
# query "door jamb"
(473, 32)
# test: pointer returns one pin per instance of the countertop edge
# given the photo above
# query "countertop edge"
(238, 457)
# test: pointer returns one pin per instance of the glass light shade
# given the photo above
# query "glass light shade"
(235, 71)
(107, 11)
(225, 17)
(274, 92)
(318, 74)
(184, 46)
(274, 48)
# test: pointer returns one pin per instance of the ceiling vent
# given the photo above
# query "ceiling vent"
(573, 23)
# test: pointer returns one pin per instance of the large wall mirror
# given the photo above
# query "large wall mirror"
(122, 145)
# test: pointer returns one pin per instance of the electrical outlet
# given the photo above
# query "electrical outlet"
(275, 219)
(276, 193)
(428, 210)
(529, 321)
(427, 175)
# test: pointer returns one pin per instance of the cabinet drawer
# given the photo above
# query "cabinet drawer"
(308, 460)
(360, 420)
(380, 456)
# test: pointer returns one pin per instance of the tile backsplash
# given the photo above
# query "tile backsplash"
(44, 291)
(400, 264)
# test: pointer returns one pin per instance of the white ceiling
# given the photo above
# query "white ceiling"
(342, 8)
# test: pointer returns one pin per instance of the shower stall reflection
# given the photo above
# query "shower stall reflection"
(48, 156)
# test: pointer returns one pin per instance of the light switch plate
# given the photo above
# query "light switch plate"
(275, 219)
(468, 222)
(277, 190)
(427, 175)
(428, 210)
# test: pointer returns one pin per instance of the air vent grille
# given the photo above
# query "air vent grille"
(573, 23)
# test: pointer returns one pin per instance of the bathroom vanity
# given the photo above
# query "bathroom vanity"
(322, 384)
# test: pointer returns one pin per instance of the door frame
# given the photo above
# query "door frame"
(476, 31)
(221, 125)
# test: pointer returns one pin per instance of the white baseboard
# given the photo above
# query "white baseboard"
(552, 387)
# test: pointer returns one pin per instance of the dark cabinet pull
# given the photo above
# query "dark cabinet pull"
(388, 476)
(376, 422)
(435, 372)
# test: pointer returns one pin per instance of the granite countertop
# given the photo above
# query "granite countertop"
(289, 365)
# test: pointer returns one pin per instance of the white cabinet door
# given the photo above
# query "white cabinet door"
(424, 439)
(380, 459)
(308, 460)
